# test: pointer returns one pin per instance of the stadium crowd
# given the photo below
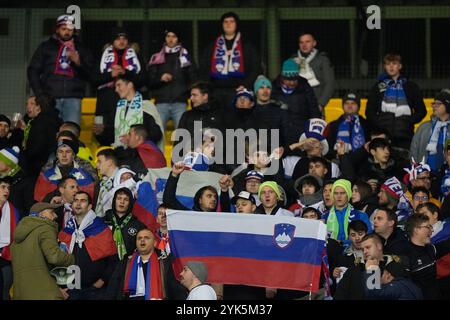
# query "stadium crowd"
(381, 187)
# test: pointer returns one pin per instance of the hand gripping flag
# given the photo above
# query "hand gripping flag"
(151, 189)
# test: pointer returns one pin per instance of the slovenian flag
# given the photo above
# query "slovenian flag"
(150, 155)
(151, 189)
(249, 249)
(442, 232)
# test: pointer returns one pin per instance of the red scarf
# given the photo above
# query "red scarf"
(153, 282)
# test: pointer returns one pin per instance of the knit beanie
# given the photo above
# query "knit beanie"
(10, 157)
(345, 184)
(71, 144)
(118, 32)
(199, 269)
(393, 187)
(4, 118)
(290, 69)
(261, 81)
(271, 184)
(444, 97)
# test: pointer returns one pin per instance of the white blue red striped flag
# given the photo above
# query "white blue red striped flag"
(250, 249)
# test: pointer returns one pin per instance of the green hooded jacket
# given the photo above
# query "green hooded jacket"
(35, 252)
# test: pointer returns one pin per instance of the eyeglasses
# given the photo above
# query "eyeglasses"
(436, 103)
(421, 198)
(428, 226)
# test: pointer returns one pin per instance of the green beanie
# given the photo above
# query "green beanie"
(345, 184)
(271, 184)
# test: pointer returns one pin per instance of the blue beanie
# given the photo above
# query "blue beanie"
(261, 81)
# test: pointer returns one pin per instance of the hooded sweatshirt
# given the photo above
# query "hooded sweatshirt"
(304, 201)
(131, 228)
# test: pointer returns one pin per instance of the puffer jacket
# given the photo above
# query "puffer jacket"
(302, 104)
(41, 69)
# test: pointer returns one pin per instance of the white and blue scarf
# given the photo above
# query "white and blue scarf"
(445, 182)
(394, 99)
(435, 147)
(286, 90)
(351, 133)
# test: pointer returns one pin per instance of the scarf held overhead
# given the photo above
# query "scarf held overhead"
(138, 285)
(227, 63)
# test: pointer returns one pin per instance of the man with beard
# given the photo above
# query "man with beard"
(59, 67)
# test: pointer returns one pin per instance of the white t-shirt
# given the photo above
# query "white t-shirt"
(202, 292)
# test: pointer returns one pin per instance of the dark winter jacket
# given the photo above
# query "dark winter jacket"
(210, 115)
(369, 169)
(333, 128)
(41, 69)
(277, 116)
(397, 243)
(176, 90)
(423, 266)
(401, 129)
(397, 289)
(41, 141)
(302, 103)
(252, 66)
(130, 230)
(21, 192)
